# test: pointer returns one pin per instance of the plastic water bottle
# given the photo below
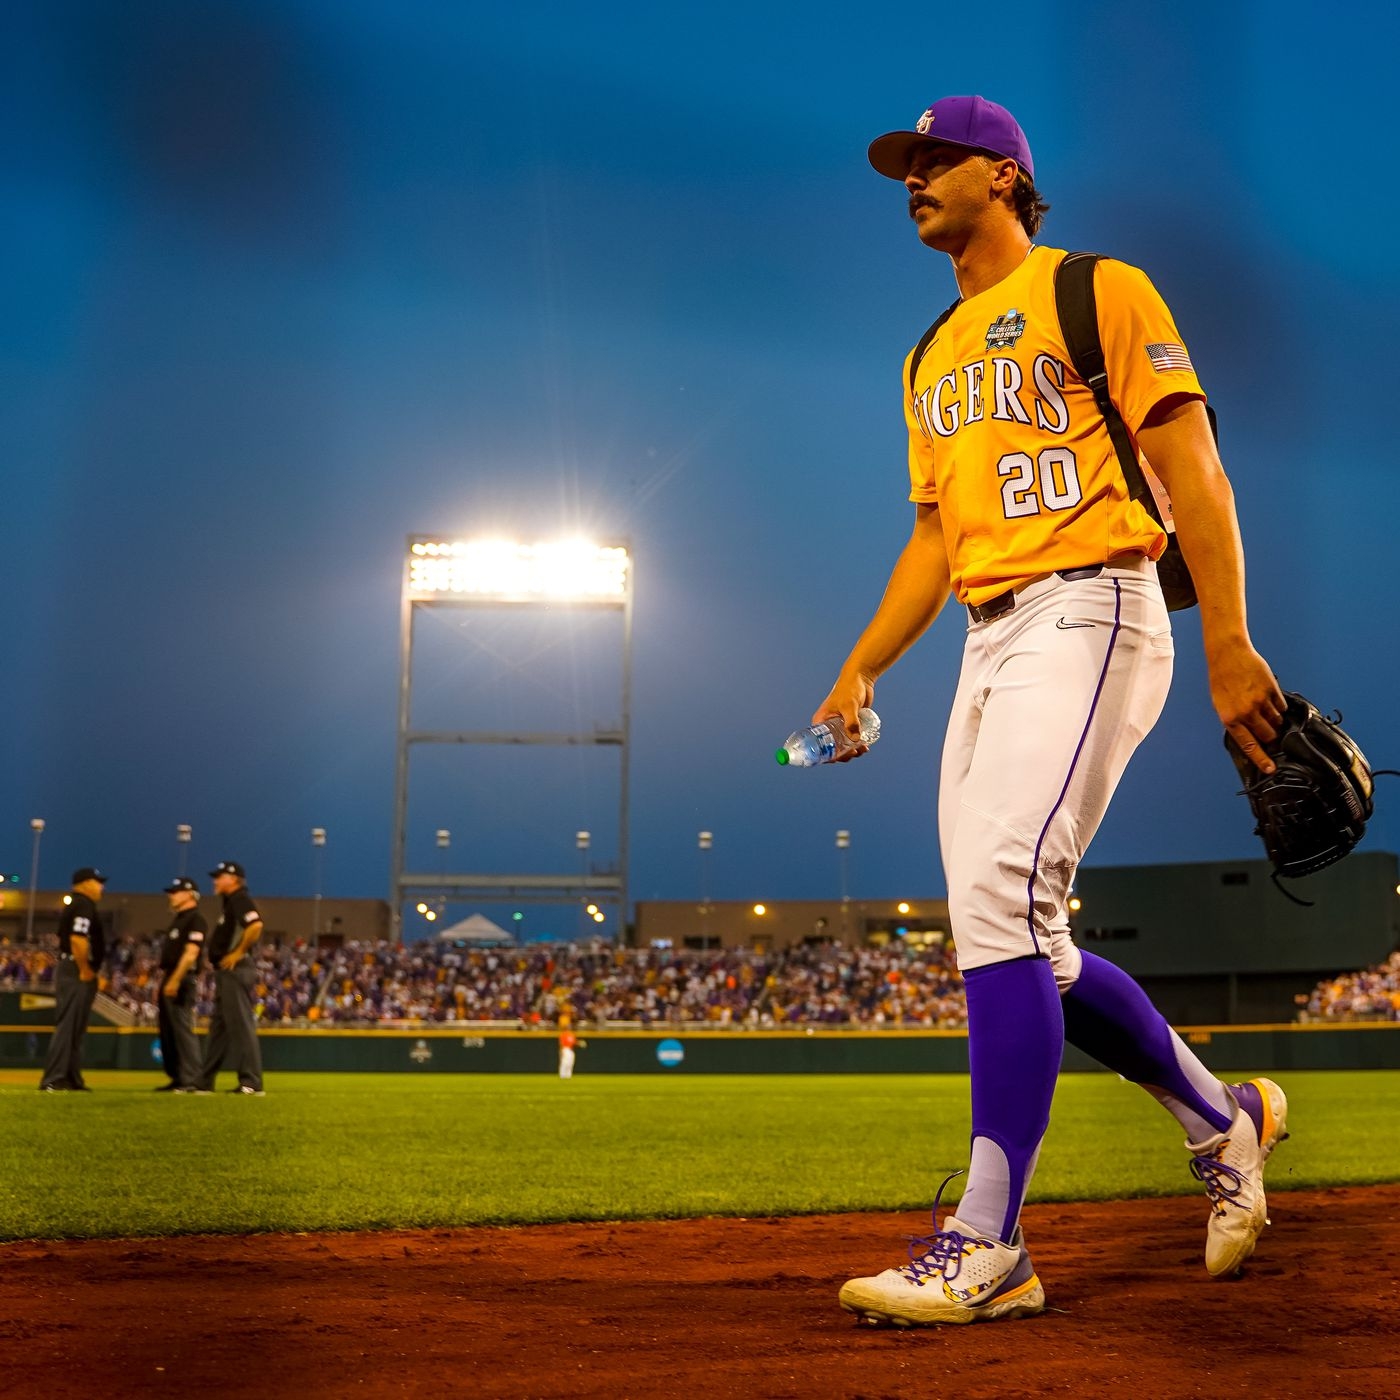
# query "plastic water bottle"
(827, 741)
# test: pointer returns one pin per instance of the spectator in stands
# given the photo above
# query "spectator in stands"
(1372, 994)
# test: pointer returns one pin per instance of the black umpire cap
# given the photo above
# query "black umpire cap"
(88, 872)
(180, 884)
(228, 867)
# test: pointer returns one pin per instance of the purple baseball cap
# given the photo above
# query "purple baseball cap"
(970, 122)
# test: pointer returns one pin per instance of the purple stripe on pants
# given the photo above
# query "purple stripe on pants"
(1074, 763)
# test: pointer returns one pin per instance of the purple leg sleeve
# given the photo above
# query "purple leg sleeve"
(1015, 1028)
(1108, 1016)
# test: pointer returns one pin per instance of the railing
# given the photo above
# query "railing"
(113, 1011)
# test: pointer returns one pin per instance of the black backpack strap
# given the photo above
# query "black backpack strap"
(927, 339)
(1078, 311)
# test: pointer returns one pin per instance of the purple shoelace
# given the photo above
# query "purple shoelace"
(940, 1254)
(1222, 1182)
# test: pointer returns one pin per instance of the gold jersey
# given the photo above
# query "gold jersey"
(1005, 437)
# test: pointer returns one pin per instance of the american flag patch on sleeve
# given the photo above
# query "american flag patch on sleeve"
(1169, 357)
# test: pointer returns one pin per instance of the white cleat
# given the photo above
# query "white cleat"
(1231, 1168)
(953, 1276)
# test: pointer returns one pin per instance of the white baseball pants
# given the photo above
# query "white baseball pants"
(1053, 699)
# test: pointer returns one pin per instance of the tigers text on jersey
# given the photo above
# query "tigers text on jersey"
(1007, 440)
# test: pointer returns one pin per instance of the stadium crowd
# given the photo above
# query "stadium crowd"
(373, 983)
(1373, 994)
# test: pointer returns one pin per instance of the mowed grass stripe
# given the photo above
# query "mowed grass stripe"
(352, 1152)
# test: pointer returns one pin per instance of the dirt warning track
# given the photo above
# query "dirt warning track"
(708, 1308)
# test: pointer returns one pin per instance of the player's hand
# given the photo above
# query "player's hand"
(854, 690)
(171, 988)
(1248, 700)
(229, 962)
(88, 976)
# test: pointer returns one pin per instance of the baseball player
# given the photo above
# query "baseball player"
(1021, 512)
(81, 948)
(180, 950)
(569, 1046)
(233, 1029)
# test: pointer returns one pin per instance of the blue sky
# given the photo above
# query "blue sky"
(291, 281)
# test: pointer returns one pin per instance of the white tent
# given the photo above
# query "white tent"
(475, 928)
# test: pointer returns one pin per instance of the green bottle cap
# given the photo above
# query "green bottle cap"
(782, 755)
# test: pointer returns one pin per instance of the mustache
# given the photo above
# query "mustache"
(922, 201)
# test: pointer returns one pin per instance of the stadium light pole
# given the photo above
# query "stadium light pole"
(705, 842)
(37, 827)
(562, 577)
(444, 844)
(583, 840)
(184, 834)
(318, 848)
(843, 850)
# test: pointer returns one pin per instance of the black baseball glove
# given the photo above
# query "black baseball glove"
(1313, 808)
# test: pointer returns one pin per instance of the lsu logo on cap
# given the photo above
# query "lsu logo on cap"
(924, 122)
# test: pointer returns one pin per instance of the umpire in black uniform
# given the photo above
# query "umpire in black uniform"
(180, 951)
(82, 944)
(233, 1031)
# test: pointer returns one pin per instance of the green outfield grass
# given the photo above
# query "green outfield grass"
(349, 1152)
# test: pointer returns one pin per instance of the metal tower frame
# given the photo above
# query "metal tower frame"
(425, 552)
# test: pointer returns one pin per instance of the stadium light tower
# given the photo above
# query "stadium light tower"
(184, 833)
(705, 842)
(441, 572)
(318, 848)
(37, 827)
(843, 849)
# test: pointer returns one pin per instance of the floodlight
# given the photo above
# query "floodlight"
(568, 576)
(902, 907)
(507, 572)
(760, 909)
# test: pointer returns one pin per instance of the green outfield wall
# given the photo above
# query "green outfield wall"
(1224, 1048)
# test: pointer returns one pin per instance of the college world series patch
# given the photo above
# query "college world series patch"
(1006, 330)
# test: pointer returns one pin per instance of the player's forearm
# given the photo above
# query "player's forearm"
(914, 596)
(182, 968)
(1209, 533)
(1181, 448)
(81, 951)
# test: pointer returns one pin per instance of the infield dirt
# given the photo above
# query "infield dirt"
(702, 1308)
